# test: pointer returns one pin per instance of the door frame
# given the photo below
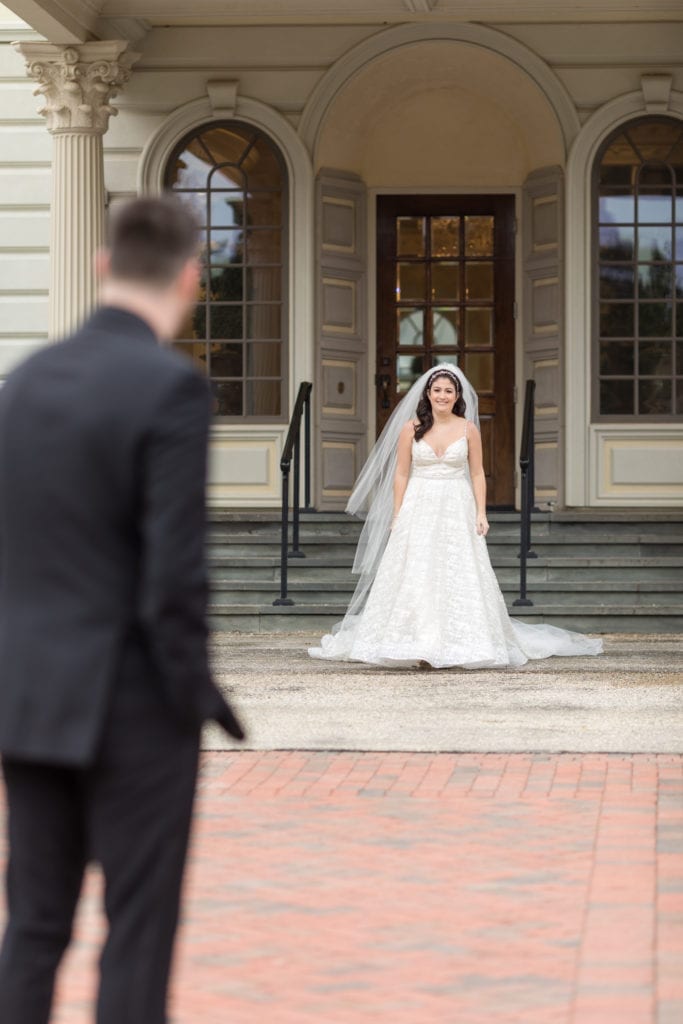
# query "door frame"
(371, 235)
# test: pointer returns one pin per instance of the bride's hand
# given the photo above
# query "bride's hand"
(482, 524)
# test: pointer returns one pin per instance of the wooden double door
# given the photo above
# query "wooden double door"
(445, 293)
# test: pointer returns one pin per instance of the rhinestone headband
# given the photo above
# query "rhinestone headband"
(444, 373)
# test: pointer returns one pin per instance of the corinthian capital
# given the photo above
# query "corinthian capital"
(78, 82)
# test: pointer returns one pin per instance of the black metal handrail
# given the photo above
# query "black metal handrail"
(526, 465)
(292, 450)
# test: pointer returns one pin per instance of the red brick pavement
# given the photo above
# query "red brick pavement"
(404, 888)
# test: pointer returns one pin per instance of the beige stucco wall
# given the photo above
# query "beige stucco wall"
(440, 114)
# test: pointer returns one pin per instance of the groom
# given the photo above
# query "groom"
(104, 678)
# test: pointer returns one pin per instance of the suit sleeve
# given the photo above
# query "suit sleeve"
(174, 585)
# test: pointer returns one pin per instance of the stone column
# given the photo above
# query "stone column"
(77, 83)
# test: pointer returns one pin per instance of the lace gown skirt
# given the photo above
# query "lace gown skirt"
(435, 597)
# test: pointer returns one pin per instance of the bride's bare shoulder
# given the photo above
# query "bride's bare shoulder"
(408, 429)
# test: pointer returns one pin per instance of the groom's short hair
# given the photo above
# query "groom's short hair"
(151, 239)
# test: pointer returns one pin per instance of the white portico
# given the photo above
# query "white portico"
(380, 189)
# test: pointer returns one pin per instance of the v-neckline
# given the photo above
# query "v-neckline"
(446, 449)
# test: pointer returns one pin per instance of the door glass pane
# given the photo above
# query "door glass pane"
(411, 282)
(480, 370)
(616, 243)
(616, 397)
(445, 326)
(445, 282)
(654, 243)
(655, 319)
(479, 236)
(654, 397)
(478, 327)
(445, 236)
(655, 358)
(616, 282)
(616, 320)
(445, 357)
(408, 369)
(616, 358)
(679, 243)
(679, 327)
(655, 281)
(679, 397)
(410, 236)
(410, 326)
(478, 281)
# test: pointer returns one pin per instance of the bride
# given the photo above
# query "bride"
(427, 593)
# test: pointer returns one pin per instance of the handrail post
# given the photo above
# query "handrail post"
(526, 465)
(525, 537)
(307, 453)
(292, 449)
(296, 552)
(283, 599)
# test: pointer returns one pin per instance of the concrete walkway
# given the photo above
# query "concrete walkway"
(628, 700)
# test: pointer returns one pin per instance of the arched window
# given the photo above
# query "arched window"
(235, 179)
(638, 323)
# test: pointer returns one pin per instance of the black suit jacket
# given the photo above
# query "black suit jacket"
(103, 442)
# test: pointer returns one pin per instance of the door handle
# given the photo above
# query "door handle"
(383, 381)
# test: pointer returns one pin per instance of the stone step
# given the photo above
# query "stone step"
(323, 560)
(257, 592)
(224, 523)
(590, 619)
(635, 545)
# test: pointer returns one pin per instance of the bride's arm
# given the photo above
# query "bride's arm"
(402, 467)
(476, 460)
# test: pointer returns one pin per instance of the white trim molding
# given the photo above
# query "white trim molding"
(301, 191)
(391, 39)
(581, 480)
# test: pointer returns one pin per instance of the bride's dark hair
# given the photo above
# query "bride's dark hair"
(424, 406)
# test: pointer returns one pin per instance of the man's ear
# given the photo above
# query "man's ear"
(102, 261)
(188, 280)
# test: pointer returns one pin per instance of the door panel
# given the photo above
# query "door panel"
(543, 316)
(340, 392)
(445, 293)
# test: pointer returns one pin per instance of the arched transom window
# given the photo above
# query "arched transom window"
(235, 179)
(639, 272)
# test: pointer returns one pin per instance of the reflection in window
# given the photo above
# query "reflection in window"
(234, 179)
(639, 273)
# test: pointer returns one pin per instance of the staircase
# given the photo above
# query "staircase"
(596, 571)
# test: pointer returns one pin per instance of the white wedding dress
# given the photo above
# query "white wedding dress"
(435, 597)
